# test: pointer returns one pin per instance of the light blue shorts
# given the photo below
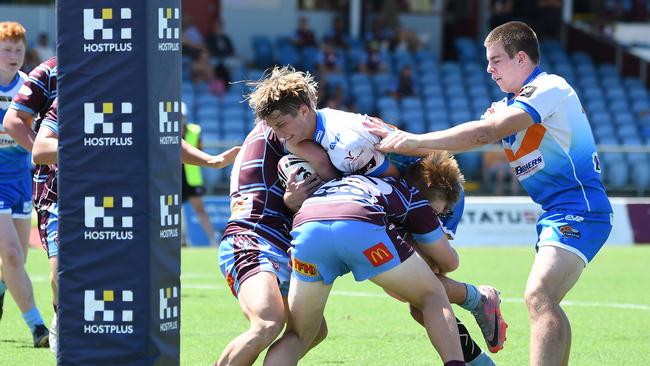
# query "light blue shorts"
(324, 250)
(16, 198)
(579, 232)
(242, 256)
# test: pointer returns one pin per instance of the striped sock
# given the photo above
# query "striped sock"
(33, 318)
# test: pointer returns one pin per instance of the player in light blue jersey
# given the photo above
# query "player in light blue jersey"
(547, 138)
(15, 189)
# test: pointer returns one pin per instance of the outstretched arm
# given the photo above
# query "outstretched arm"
(194, 156)
(463, 137)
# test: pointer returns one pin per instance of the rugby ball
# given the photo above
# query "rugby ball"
(293, 163)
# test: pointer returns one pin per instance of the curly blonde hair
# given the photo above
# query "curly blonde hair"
(282, 89)
(437, 176)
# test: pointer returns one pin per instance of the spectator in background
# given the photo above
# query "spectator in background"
(405, 86)
(337, 35)
(31, 61)
(406, 40)
(43, 49)
(192, 39)
(192, 179)
(373, 62)
(379, 35)
(202, 70)
(219, 43)
(303, 37)
(501, 12)
(495, 170)
(329, 60)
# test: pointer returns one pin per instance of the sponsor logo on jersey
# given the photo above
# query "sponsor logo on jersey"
(305, 268)
(169, 302)
(570, 232)
(100, 308)
(170, 213)
(169, 117)
(378, 254)
(169, 29)
(574, 218)
(337, 138)
(107, 30)
(528, 164)
(104, 126)
(527, 91)
(100, 219)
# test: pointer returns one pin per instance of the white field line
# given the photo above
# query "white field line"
(507, 300)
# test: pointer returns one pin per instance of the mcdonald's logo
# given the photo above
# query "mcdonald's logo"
(304, 268)
(378, 254)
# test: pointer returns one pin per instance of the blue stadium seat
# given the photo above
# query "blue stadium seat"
(387, 102)
(288, 55)
(413, 121)
(383, 83)
(424, 55)
(428, 66)
(435, 104)
(459, 103)
(362, 90)
(460, 116)
(365, 104)
(619, 106)
(309, 59)
(641, 177)
(470, 164)
(262, 51)
(616, 175)
(641, 105)
(627, 132)
(411, 104)
(614, 92)
(623, 118)
(232, 101)
(391, 115)
(431, 91)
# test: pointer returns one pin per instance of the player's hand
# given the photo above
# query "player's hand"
(224, 159)
(400, 142)
(297, 192)
(377, 126)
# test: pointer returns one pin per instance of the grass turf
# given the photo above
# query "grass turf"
(609, 311)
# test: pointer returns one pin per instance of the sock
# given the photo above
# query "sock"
(473, 299)
(470, 349)
(3, 287)
(482, 360)
(33, 318)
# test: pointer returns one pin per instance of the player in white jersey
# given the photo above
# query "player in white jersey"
(15, 189)
(547, 138)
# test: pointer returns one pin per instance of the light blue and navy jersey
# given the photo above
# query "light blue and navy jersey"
(14, 159)
(555, 159)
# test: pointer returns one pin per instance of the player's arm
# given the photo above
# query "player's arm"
(317, 158)
(436, 247)
(463, 137)
(194, 156)
(45, 146)
(18, 124)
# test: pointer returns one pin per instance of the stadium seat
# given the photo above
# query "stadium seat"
(641, 177)
(387, 102)
(309, 59)
(365, 104)
(616, 175)
(411, 104)
(470, 163)
(262, 50)
(383, 83)
(413, 121)
(288, 55)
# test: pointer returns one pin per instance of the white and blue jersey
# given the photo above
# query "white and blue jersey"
(555, 159)
(14, 159)
(348, 143)
(556, 162)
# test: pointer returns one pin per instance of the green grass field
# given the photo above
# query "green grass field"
(609, 310)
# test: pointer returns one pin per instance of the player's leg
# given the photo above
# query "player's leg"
(306, 323)
(197, 205)
(258, 274)
(426, 293)
(49, 234)
(18, 283)
(555, 271)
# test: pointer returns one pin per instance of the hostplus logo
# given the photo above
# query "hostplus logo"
(107, 30)
(102, 221)
(100, 309)
(170, 213)
(104, 126)
(169, 29)
(169, 116)
(169, 302)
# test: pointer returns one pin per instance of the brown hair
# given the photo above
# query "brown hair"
(437, 176)
(13, 31)
(282, 89)
(515, 37)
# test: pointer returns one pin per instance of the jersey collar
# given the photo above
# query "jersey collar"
(11, 84)
(319, 133)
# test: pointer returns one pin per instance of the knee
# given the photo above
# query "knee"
(13, 255)
(538, 302)
(266, 331)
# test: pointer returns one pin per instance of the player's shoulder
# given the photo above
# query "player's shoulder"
(547, 85)
(23, 77)
(337, 118)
